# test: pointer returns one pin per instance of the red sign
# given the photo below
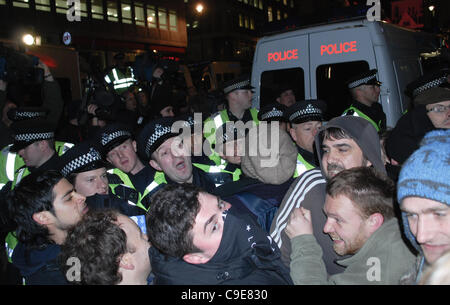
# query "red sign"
(343, 47)
(282, 56)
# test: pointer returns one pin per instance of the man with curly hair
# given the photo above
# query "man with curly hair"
(110, 249)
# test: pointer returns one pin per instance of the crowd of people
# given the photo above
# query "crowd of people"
(151, 192)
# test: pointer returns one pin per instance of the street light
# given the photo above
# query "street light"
(431, 8)
(199, 8)
(28, 39)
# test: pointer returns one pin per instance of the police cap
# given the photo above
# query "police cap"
(26, 113)
(242, 82)
(365, 78)
(438, 78)
(80, 158)
(111, 136)
(272, 112)
(27, 132)
(306, 110)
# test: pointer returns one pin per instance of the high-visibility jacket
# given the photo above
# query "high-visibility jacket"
(219, 174)
(120, 80)
(356, 112)
(302, 166)
(12, 166)
(159, 178)
(212, 123)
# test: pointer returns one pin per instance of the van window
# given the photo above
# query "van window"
(331, 87)
(271, 81)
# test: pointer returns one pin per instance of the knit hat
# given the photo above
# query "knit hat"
(426, 173)
(274, 168)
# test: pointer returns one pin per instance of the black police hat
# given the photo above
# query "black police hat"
(365, 78)
(306, 110)
(242, 82)
(111, 136)
(153, 134)
(272, 112)
(437, 78)
(26, 113)
(80, 158)
(27, 132)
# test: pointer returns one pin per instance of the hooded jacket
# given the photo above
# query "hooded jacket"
(309, 190)
(39, 267)
(246, 256)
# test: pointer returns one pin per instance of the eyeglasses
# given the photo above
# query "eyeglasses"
(439, 108)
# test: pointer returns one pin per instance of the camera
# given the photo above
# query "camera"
(18, 67)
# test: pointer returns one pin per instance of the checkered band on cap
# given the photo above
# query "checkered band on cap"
(431, 84)
(91, 156)
(107, 138)
(272, 114)
(361, 81)
(31, 137)
(28, 114)
(158, 133)
(309, 110)
(236, 86)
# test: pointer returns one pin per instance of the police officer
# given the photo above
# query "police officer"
(84, 168)
(168, 153)
(136, 177)
(365, 91)
(306, 119)
(238, 93)
(11, 161)
(120, 76)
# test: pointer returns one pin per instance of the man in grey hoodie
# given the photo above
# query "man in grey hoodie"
(343, 143)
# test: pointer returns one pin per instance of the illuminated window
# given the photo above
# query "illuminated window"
(330, 82)
(272, 80)
(241, 21)
(278, 15)
(2, 2)
(285, 2)
(246, 1)
(292, 3)
(255, 4)
(173, 21)
(139, 13)
(42, 5)
(83, 8)
(162, 18)
(21, 3)
(269, 14)
(246, 22)
(151, 16)
(261, 6)
(61, 6)
(285, 15)
(97, 9)
(111, 11)
(252, 23)
(125, 6)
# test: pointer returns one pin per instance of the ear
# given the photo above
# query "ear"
(292, 133)
(134, 146)
(375, 221)
(195, 258)
(155, 165)
(43, 218)
(278, 99)
(126, 262)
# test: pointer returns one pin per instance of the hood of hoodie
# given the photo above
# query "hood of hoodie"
(362, 132)
(30, 261)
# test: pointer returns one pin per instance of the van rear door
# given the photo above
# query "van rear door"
(336, 56)
(279, 61)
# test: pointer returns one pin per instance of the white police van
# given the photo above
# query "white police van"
(318, 60)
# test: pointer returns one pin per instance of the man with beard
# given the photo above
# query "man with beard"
(44, 206)
(361, 222)
(344, 142)
(198, 239)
